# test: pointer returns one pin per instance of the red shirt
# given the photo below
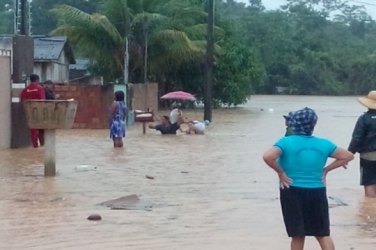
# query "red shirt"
(34, 91)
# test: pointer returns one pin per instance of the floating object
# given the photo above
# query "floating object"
(336, 202)
(84, 168)
(270, 110)
(94, 217)
(149, 177)
(130, 202)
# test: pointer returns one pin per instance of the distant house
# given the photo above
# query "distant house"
(6, 43)
(54, 60)
(52, 57)
(79, 73)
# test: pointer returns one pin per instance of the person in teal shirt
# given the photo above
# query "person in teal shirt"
(300, 160)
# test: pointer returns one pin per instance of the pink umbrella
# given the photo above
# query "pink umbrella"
(178, 95)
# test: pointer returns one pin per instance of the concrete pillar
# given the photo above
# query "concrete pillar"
(49, 152)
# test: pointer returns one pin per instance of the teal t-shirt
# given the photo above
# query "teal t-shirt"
(303, 159)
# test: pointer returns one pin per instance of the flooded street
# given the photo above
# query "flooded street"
(208, 192)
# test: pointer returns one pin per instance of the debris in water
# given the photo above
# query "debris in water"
(94, 217)
(335, 202)
(149, 177)
(84, 168)
(57, 199)
(130, 202)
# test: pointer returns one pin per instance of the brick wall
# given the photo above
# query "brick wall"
(93, 103)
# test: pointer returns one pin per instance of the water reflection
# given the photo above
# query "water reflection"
(210, 192)
(367, 214)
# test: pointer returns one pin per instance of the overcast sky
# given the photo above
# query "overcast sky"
(275, 4)
(270, 4)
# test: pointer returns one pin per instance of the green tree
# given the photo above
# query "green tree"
(43, 22)
(103, 40)
(6, 17)
(238, 71)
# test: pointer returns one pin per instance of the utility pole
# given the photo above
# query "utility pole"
(209, 63)
(22, 64)
(25, 24)
(21, 17)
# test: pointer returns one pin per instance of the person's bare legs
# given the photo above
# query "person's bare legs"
(297, 243)
(41, 136)
(326, 243)
(118, 142)
(370, 191)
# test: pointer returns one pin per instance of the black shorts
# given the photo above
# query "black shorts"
(305, 211)
(367, 172)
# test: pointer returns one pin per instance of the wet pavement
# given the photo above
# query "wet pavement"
(209, 191)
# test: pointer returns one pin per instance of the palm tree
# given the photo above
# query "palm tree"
(94, 36)
(140, 25)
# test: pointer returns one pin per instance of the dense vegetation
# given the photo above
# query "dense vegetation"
(321, 47)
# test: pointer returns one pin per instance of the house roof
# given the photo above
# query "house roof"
(6, 42)
(50, 48)
(81, 64)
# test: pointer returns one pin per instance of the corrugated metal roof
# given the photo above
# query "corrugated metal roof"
(81, 64)
(6, 42)
(46, 48)
(50, 49)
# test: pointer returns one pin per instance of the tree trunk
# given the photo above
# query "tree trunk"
(209, 64)
(126, 61)
(146, 30)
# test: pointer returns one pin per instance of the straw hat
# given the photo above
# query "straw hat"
(369, 101)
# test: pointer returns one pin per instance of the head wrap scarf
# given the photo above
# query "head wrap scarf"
(302, 122)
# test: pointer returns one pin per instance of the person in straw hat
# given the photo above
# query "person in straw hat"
(300, 160)
(363, 141)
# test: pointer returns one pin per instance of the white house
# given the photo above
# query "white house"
(52, 56)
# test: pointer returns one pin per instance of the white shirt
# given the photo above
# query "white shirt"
(199, 127)
(174, 115)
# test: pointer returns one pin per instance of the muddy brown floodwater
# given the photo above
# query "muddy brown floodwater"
(207, 192)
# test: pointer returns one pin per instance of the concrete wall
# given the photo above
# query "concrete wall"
(94, 101)
(145, 96)
(5, 99)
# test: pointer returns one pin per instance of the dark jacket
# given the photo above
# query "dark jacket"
(364, 134)
(50, 95)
